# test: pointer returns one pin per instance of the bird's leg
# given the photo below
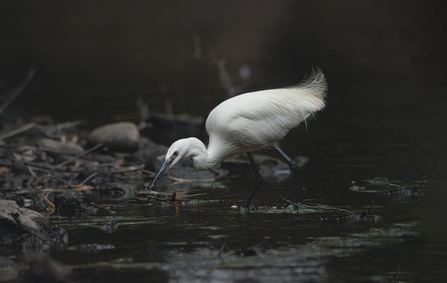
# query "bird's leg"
(292, 166)
(258, 180)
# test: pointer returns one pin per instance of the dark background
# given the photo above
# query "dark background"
(385, 62)
(94, 58)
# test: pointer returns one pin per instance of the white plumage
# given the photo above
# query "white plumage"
(250, 122)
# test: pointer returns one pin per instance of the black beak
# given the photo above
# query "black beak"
(164, 168)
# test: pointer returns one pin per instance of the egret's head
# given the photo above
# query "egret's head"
(176, 152)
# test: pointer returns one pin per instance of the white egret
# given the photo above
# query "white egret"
(249, 122)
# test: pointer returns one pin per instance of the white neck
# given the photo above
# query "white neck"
(199, 155)
(207, 158)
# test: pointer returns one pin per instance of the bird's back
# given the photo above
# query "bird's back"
(255, 120)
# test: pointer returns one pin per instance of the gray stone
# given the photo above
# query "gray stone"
(59, 147)
(123, 136)
(27, 229)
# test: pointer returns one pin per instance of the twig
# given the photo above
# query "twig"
(169, 110)
(52, 177)
(17, 131)
(18, 90)
(196, 40)
(77, 188)
(129, 168)
(222, 248)
(226, 77)
(49, 202)
(142, 110)
(195, 195)
(100, 207)
(58, 127)
(155, 198)
(43, 165)
(79, 156)
(397, 271)
(32, 172)
(174, 198)
(88, 178)
(152, 174)
(320, 206)
(423, 179)
(394, 185)
(372, 204)
(180, 180)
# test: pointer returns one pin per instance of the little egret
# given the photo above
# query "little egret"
(249, 122)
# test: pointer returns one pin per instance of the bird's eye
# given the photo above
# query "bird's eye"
(175, 154)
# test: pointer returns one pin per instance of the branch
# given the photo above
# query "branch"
(18, 90)
(79, 156)
(17, 131)
(52, 177)
(320, 206)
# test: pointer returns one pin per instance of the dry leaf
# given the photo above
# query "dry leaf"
(4, 170)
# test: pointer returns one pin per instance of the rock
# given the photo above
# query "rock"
(70, 201)
(152, 155)
(25, 229)
(119, 190)
(122, 136)
(59, 147)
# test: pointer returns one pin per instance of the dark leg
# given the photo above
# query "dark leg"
(258, 180)
(292, 166)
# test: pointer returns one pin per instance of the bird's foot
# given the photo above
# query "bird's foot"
(246, 208)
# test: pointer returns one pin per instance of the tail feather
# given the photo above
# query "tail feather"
(315, 83)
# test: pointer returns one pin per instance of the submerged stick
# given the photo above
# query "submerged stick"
(320, 206)
(31, 171)
(102, 208)
(49, 202)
